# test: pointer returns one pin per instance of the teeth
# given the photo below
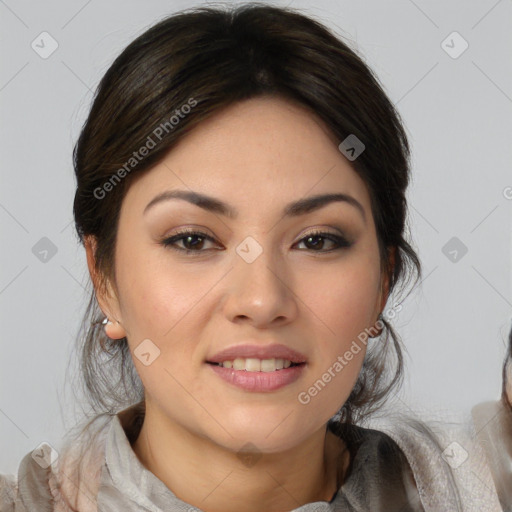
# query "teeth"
(257, 365)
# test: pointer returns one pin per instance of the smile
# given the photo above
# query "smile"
(251, 364)
(258, 380)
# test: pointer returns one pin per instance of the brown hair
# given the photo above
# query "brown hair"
(216, 57)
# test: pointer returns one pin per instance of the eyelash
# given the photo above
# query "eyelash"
(342, 243)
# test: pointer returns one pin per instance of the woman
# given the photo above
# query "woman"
(241, 184)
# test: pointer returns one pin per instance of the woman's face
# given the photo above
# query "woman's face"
(257, 277)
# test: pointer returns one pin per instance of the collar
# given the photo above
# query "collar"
(125, 484)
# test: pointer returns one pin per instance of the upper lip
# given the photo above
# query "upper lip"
(276, 351)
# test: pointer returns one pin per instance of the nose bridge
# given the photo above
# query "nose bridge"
(259, 289)
(258, 265)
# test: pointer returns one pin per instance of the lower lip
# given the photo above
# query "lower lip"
(259, 381)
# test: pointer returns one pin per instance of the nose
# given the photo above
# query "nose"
(261, 292)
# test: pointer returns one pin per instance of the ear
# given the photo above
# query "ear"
(105, 293)
(385, 281)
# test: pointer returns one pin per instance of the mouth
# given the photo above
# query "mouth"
(257, 357)
(257, 365)
(258, 375)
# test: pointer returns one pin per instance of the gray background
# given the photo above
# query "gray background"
(458, 114)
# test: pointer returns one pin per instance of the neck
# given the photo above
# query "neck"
(214, 479)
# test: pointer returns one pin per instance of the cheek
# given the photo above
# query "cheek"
(161, 303)
(157, 295)
(345, 299)
(351, 302)
(344, 305)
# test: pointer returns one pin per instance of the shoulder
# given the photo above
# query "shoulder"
(30, 489)
(448, 463)
(59, 479)
(8, 491)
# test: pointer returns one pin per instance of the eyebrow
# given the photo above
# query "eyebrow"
(295, 209)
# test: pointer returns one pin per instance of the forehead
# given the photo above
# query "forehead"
(265, 147)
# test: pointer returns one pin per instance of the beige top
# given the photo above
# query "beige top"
(401, 467)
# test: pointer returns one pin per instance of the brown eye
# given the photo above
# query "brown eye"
(316, 241)
(193, 241)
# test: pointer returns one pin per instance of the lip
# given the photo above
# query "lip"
(276, 350)
(259, 381)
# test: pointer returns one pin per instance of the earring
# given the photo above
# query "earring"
(114, 332)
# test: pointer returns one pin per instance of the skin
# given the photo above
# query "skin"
(257, 156)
